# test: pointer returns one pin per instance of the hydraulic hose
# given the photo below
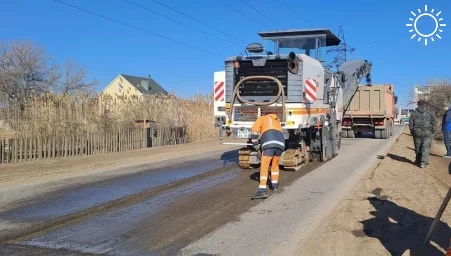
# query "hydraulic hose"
(236, 94)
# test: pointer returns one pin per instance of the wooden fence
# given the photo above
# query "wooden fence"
(30, 149)
(168, 136)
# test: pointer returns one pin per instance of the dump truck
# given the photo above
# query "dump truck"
(290, 78)
(372, 109)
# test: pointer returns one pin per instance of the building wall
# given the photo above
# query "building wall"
(121, 87)
(421, 92)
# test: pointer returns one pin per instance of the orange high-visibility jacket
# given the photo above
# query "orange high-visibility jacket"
(270, 131)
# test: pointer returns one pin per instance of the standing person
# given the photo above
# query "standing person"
(446, 128)
(422, 125)
(272, 143)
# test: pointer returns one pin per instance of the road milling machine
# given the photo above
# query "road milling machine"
(294, 83)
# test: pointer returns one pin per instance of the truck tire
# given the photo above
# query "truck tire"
(351, 134)
(385, 133)
(378, 134)
(344, 134)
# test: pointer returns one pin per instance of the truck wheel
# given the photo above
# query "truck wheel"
(377, 134)
(351, 134)
(384, 133)
(344, 134)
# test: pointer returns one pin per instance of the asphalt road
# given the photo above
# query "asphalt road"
(178, 217)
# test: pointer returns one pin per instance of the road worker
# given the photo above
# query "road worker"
(272, 144)
(422, 124)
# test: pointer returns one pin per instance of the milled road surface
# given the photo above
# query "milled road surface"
(277, 226)
(169, 220)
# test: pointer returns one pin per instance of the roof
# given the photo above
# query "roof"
(154, 87)
(331, 38)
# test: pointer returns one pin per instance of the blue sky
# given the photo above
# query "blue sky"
(377, 29)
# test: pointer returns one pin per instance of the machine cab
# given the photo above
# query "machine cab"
(311, 42)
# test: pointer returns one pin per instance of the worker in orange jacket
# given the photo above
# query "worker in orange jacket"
(272, 144)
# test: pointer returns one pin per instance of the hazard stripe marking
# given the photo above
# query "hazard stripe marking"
(219, 91)
(310, 90)
(219, 86)
(219, 95)
(311, 85)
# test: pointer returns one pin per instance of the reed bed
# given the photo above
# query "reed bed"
(60, 115)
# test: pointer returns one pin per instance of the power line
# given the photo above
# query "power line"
(203, 23)
(292, 11)
(261, 13)
(164, 16)
(342, 48)
(245, 15)
(140, 29)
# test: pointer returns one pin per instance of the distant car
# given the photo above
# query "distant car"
(405, 120)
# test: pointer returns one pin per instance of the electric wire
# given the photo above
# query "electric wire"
(203, 23)
(253, 8)
(179, 22)
(242, 14)
(299, 16)
(140, 29)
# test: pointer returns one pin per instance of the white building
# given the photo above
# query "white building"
(420, 92)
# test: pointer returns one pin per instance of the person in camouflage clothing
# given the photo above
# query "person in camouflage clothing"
(422, 125)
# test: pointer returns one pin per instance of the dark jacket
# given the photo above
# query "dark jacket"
(422, 123)
(446, 121)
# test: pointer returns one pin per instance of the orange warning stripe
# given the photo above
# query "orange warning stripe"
(311, 111)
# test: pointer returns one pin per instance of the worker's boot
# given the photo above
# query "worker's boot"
(423, 165)
(260, 194)
(274, 187)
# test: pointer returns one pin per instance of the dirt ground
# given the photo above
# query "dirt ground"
(391, 209)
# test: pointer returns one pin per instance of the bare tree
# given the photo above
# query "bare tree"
(74, 79)
(437, 94)
(25, 71)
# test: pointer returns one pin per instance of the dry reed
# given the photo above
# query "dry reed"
(51, 115)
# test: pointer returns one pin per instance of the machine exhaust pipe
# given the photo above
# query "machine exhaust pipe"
(293, 63)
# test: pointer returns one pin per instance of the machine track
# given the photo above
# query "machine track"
(244, 155)
(293, 159)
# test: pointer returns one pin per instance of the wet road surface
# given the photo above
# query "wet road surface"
(120, 231)
(77, 198)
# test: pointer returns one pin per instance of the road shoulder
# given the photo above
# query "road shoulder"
(391, 209)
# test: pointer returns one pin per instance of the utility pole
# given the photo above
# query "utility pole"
(342, 48)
